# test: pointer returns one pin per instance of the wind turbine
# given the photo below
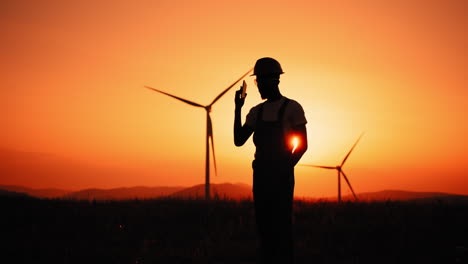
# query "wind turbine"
(340, 171)
(209, 129)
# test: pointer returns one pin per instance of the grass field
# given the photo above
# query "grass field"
(222, 231)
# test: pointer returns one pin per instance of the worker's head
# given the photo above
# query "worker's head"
(267, 72)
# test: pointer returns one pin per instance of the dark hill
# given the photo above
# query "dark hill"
(6, 193)
(398, 195)
(223, 190)
(40, 193)
(138, 192)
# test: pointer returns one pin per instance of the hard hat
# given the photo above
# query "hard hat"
(267, 66)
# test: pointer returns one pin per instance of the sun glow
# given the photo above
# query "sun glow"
(351, 71)
(294, 143)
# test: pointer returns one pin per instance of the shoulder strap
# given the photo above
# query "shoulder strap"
(260, 113)
(282, 109)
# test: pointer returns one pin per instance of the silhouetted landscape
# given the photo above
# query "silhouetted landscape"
(179, 228)
(223, 190)
(237, 191)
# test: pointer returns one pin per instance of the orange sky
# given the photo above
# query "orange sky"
(73, 73)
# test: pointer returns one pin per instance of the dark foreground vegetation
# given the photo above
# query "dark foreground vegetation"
(196, 231)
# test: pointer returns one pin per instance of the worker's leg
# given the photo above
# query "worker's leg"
(265, 228)
(264, 212)
(283, 227)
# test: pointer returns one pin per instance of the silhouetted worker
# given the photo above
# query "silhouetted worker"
(274, 123)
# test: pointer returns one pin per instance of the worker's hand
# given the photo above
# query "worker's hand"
(238, 99)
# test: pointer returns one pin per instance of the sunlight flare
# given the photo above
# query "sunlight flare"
(294, 143)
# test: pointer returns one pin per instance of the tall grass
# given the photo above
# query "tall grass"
(223, 231)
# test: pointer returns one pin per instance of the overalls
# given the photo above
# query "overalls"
(273, 188)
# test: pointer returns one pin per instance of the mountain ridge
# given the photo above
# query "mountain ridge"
(40, 193)
(123, 193)
(221, 191)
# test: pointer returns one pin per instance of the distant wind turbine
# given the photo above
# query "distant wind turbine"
(340, 171)
(209, 129)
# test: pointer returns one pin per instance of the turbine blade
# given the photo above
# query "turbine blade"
(317, 166)
(344, 160)
(176, 97)
(349, 184)
(227, 89)
(210, 135)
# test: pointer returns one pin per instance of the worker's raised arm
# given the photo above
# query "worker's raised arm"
(241, 133)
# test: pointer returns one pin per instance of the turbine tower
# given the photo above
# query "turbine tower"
(340, 171)
(209, 129)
